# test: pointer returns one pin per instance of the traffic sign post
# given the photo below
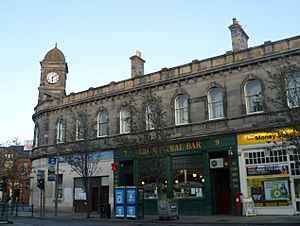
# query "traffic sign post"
(40, 176)
(3, 186)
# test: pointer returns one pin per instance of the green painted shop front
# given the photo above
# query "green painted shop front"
(202, 175)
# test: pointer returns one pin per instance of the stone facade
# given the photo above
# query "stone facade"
(229, 72)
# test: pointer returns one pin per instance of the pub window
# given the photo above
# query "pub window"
(148, 181)
(188, 177)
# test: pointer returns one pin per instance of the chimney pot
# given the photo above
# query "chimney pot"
(137, 64)
(239, 37)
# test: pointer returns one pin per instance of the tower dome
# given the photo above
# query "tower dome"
(55, 54)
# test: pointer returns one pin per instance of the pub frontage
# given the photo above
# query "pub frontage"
(202, 175)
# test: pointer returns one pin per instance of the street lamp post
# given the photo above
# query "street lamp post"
(56, 181)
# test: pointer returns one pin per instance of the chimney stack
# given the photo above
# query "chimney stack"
(137, 65)
(239, 37)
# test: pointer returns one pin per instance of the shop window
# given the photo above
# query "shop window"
(259, 156)
(215, 103)
(268, 192)
(253, 96)
(79, 189)
(188, 177)
(297, 188)
(294, 159)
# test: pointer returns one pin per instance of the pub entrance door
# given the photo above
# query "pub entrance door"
(222, 198)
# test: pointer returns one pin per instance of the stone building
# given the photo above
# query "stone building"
(211, 104)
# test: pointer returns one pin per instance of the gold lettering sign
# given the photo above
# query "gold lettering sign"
(175, 148)
(217, 142)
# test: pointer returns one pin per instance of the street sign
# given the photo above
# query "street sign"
(40, 174)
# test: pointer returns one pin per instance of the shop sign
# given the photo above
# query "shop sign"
(191, 146)
(267, 170)
(261, 137)
(276, 190)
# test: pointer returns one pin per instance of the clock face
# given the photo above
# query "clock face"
(52, 77)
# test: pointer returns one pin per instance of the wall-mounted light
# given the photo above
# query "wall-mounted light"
(230, 152)
(143, 182)
(176, 181)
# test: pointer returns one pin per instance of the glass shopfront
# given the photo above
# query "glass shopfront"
(270, 173)
(186, 175)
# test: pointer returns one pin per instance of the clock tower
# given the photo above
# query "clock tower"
(54, 71)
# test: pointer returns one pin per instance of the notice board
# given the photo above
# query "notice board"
(248, 206)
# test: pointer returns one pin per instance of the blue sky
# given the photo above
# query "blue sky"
(98, 37)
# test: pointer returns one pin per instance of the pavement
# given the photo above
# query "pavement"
(184, 220)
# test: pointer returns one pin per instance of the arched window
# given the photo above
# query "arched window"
(102, 123)
(181, 109)
(293, 90)
(150, 116)
(36, 136)
(61, 131)
(215, 103)
(124, 120)
(80, 128)
(253, 96)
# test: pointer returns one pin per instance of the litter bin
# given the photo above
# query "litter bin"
(105, 211)
(167, 209)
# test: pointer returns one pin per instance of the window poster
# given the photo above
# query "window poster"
(276, 190)
(256, 190)
(119, 195)
(119, 211)
(131, 211)
(131, 196)
(79, 194)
